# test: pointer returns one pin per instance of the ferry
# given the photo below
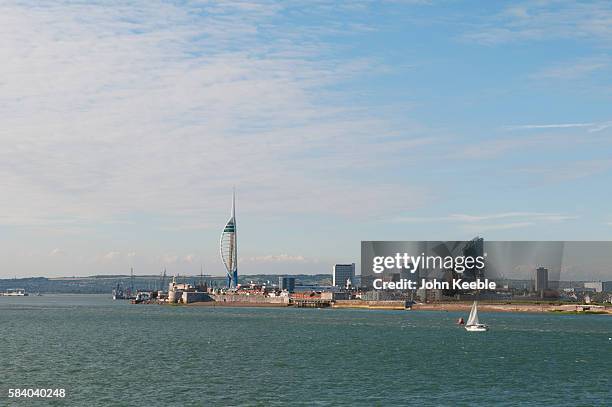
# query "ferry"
(15, 292)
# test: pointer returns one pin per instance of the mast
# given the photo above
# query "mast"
(235, 273)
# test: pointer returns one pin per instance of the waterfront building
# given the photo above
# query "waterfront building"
(342, 273)
(315, 288)
(606, 286)
(596, 286)
(228, 247)
(286, 283)
(541, 280)
(176, 290)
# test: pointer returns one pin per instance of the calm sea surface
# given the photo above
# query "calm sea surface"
(108, 352)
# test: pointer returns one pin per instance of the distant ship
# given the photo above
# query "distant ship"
(473, 325)
(15, 292)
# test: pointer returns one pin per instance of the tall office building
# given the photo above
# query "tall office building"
(541, 280)
(286, 283)
(343, 272)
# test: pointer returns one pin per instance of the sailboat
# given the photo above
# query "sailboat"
(473, 325)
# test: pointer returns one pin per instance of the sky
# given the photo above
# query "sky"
(125, 126)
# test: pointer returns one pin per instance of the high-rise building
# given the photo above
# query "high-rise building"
(541, 280)
(343, 272)
(228, 247)
(286, 283)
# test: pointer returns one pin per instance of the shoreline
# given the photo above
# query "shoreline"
(516, 307)
(564, 309)
(237, 304)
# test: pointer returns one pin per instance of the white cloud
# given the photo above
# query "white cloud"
(113, 109)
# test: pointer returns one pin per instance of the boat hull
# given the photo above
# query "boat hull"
(477, 328)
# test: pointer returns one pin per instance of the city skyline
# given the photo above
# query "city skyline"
(337, 122)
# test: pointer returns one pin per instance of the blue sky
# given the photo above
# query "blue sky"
(126, 124)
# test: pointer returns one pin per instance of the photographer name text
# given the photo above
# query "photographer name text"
(434, 284)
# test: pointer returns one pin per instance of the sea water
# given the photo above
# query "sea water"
(105, 352)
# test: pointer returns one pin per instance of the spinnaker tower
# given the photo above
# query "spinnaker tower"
(228, 247)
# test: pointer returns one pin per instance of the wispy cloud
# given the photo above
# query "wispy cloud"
(493, 221)
(535, 216)
(486, 149)
(278, 258)
(591, 127)
(538, 138)
(480, 228)
(545, 20)
(110, 109)
(574, 69)
(567, 171)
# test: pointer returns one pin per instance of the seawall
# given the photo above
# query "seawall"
(394, 305)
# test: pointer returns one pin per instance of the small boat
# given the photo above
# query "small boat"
(473, 325)
(460, 321)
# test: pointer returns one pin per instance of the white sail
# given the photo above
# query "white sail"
(473, 318)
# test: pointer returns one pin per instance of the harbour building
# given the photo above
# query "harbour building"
(342, 273)
(228, 247)
(598, 286)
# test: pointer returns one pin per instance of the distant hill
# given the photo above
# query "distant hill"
(104, 284)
